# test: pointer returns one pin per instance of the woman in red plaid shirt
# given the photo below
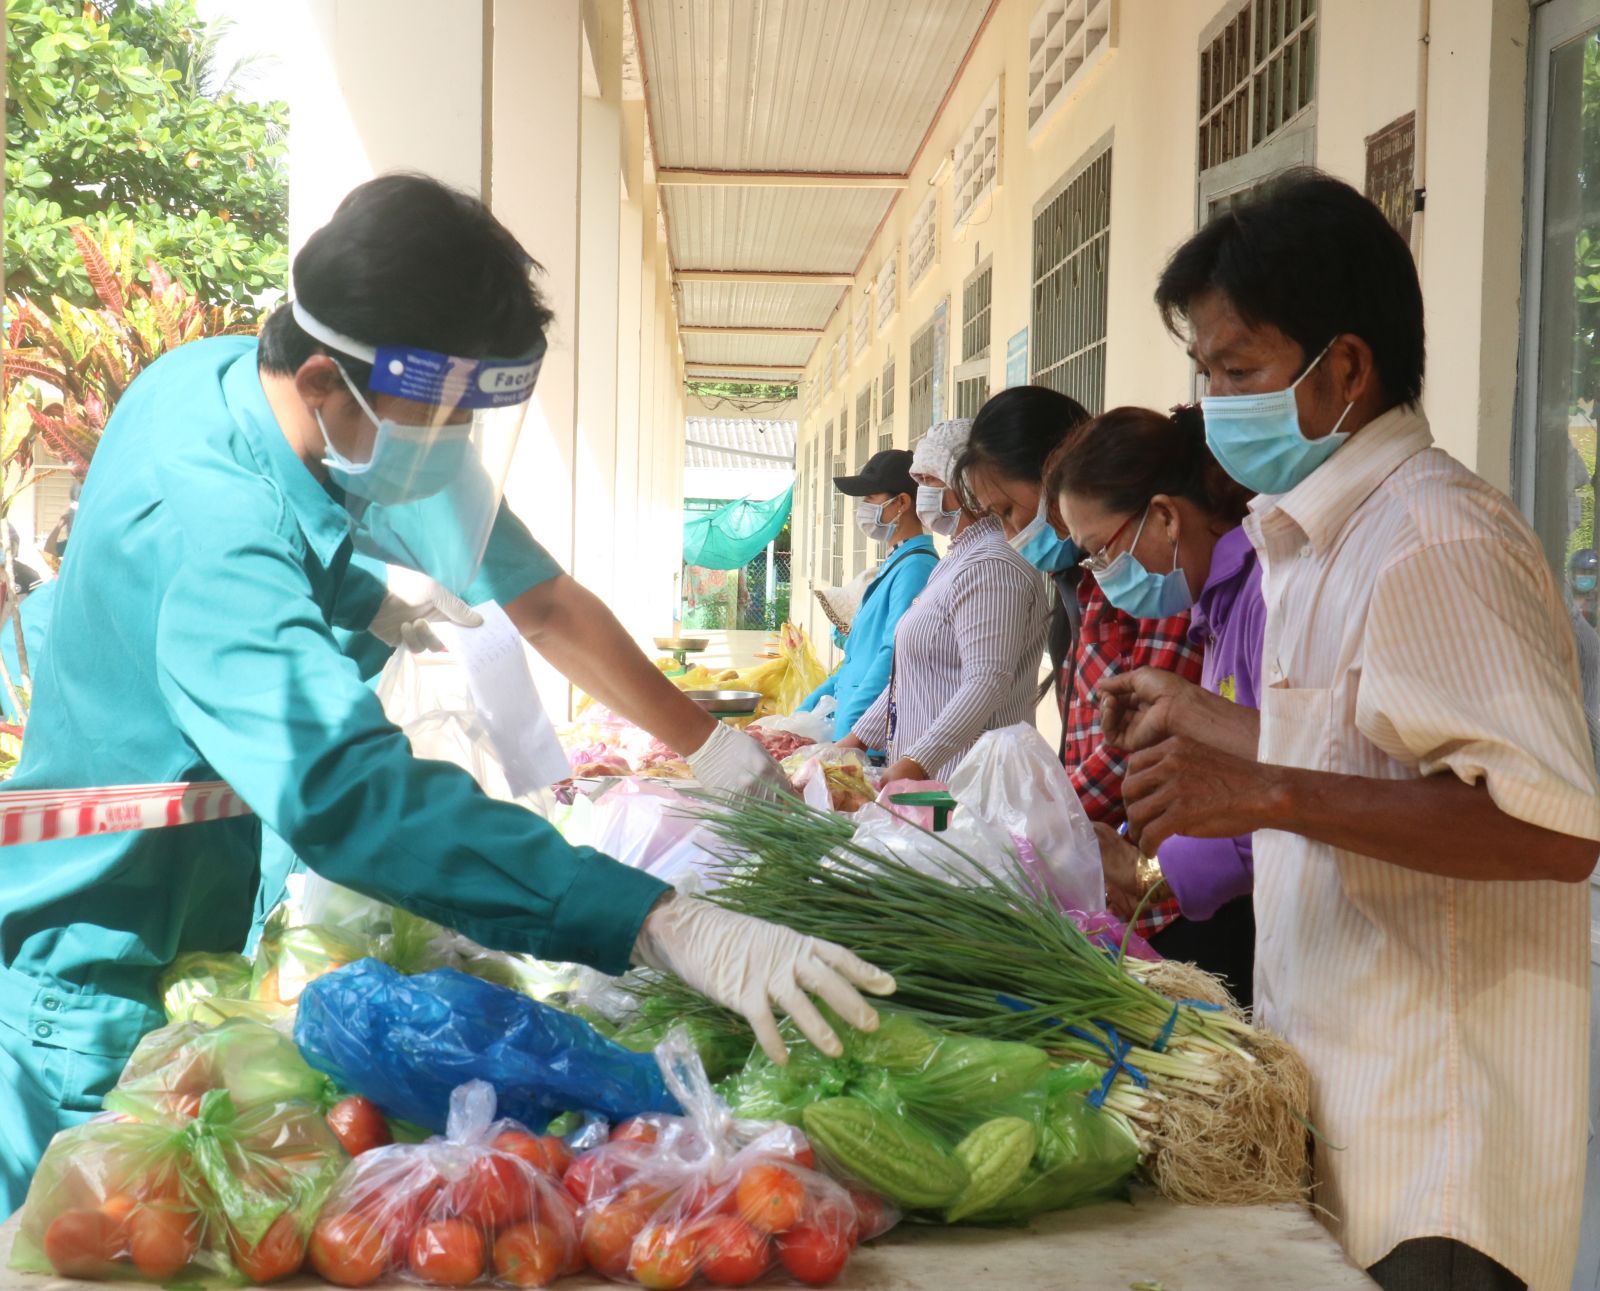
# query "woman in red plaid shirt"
(1002, 473)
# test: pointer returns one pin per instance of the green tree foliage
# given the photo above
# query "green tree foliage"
(116, 117)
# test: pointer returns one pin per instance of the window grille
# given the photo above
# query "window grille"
(862, 328)
(922, 247)
(886, 407)
(864, 425)
(977, 158)
(1256, 76)
(888, 289)
(1071, 232)
(1066, 42)
(921, 392)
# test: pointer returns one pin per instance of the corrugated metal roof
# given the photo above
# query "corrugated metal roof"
(746, 304)
(721, 443)
(802, 229)
(799, 84)
(777, 351)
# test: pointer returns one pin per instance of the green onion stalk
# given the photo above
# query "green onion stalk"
(978, 951)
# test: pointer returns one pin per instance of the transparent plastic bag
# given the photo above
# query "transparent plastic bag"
(951, 1127)
(199, 976)
(1013, 781)
(705, 1194)
(650, 826)
(481, 1205)
(230, 1196)
(408, 1042)
(175, 1067)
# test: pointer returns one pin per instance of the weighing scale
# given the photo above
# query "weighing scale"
(680, 648)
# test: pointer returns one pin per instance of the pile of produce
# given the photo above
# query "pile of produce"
(957, 1127)
(672, 1197)
(1218, 1107)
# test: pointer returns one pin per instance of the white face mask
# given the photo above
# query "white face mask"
(930, 510)
(869, 519)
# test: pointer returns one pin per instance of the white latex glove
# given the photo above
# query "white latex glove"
(736, 763)
(411, 601)
(751, 965)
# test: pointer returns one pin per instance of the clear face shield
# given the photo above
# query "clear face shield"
(422, 452)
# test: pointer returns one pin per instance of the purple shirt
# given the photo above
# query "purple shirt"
(1228, 620)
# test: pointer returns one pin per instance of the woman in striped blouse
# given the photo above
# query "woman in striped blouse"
(966, 654)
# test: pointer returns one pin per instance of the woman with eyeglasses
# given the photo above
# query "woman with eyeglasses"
(1140, 491)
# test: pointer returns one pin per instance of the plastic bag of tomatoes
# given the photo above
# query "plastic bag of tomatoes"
(673, 1198)
(230, 1195)
(483, 1204)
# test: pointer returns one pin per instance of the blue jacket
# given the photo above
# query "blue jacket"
(869, 649)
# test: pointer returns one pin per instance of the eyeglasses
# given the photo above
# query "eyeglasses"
(1101, 560)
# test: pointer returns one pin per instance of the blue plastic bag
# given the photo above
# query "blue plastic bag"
(407, 1042)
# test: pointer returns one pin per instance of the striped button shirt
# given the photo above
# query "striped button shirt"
(1413, 627)
(966, 655)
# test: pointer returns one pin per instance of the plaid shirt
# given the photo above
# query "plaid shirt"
(1110, 642)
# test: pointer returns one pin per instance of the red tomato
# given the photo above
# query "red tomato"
(638, 1130)
(162, 1241)
(813, 1255)
(872, 1215)
(771, 1198)
(182, 1107)
(544, 1152)
(118, 1207)
(80, 1243)
(497, 1191)
(448, 1253)
(532, 1255)
(664, 1258)
(557, 1153)
(833, 1213)
(577, 1180)
(805, 1158)
(358, 1125)
(348, 1250)
(732, 1254)
(279, 1254)
(608, 1236)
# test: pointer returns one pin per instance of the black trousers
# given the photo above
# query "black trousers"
(1442, 1264)
(1224, 944)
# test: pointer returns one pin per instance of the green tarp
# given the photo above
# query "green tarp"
(734, 535)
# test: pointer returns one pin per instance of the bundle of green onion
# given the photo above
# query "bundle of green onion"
(1218, 1106)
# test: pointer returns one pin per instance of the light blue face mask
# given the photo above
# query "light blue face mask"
(407, 462)
(1038, 545)
(930, 510)
(1257, 437)
(1138, 592)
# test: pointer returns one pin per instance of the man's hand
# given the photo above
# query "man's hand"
(412, 602)
(1141, 708)
(1183, 787)
(1120, 860)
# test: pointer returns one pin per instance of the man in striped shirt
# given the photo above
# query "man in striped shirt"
(1420, 768)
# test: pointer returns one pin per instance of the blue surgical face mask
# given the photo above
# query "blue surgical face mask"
(869, 519)
(930, 510)
(1138, 592)
(1038, 545)
(1258, 440)
(407, 462)
(1583, 582)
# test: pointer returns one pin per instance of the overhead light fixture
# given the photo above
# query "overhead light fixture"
(943, 169)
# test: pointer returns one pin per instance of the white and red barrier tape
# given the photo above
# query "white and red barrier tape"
(34, 816)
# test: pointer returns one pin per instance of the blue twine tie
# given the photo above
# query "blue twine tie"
(1160, 1045)
(1115, 1048)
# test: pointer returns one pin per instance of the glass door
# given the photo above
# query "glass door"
(1561, 359)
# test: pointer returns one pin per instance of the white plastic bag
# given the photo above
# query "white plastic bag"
(1013, 781)
(947, 855)
(813, 726)
(647, 825)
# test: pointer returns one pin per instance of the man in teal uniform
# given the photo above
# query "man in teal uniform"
(886, 512)
(193, 638)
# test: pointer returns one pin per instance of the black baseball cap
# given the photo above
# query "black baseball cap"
(885, 472)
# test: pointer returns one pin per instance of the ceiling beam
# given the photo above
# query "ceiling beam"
(717, 329)
(684, 177)
(724, 369)
(807, 278)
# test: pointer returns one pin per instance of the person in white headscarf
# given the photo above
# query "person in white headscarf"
(967, 653)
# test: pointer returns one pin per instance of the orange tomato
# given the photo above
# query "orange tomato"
(348, 1250)
(813, 1255)
(638, 1130)
(732, 1254)
(118, 1207)
(664, 1258)
(771, 1198)
(543, 1152)
(805, 1158)
(496, 1191)
(358, 1125)
(80, 1243)
(279, 1254)
(577, 1179)
(873, 1218)
(532, 1255)
(608, 1236)
(162, 1241)
(448, 1253)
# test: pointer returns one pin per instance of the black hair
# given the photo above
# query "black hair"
(1312, 257)
(1014, 435)
(1124, 457)
(406, 260)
